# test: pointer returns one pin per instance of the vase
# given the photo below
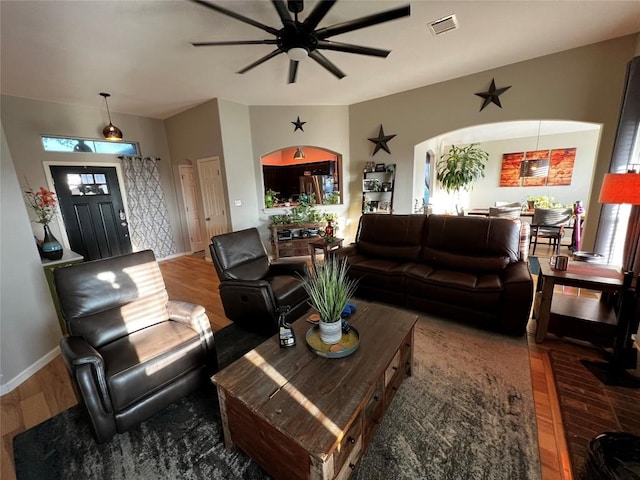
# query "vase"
(330, 332)
(51, 249)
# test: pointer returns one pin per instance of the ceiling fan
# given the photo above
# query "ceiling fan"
(301, 39)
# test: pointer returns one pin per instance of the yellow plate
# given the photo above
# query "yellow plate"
(348, 344)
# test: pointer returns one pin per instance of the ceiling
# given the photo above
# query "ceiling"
(67, 51)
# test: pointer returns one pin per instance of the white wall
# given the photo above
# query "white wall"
(326, 127)
(29, 330)
(26, 120)
(238, 165)
(583, 84)
(487, 190)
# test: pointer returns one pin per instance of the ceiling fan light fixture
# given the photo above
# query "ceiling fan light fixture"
(297, 54)
(110, 132)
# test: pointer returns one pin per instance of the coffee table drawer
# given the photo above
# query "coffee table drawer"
(352, 437)
(351, 461)
(373, 412)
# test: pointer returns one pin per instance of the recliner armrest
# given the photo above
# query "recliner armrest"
(284, 268)
(193, 316)
(76, 352)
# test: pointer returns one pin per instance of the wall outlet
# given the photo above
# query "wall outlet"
(238, 203)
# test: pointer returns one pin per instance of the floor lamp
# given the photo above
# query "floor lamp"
(623, 188)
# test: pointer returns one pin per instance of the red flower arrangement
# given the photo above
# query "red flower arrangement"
(43, 202)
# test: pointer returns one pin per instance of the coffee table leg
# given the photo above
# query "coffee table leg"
(545, 309)
(222, 400)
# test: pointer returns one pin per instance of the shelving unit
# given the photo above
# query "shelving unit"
(377, 188)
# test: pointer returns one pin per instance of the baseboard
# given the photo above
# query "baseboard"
(175, 255)
(28, 372)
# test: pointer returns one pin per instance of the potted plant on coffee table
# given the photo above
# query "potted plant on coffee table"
(329, 289)
(460, 168)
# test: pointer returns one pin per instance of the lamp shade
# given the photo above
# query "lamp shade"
(620, 188)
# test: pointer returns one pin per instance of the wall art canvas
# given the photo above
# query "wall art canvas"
(510, 174)
(561, 166)
(538, 168)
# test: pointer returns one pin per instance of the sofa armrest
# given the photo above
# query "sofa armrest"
(518, 298)
(77, 353)
(298, 269)
(193, 316)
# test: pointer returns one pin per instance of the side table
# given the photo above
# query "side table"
(590, 312)
(325, 246)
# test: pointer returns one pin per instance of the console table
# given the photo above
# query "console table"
(299, 415)
(297, 243)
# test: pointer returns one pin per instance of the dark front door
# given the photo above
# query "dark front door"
(92, 210)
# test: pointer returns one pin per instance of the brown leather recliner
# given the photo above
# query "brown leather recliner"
(130, 352)
(251, 288)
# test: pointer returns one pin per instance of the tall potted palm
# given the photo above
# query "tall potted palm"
(329, 289)
(460, 168)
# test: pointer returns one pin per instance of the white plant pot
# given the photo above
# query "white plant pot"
(330, 333)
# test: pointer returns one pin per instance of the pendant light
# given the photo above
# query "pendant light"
(110, 132)
(299, 155)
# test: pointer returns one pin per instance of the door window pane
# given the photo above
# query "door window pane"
(87, 184)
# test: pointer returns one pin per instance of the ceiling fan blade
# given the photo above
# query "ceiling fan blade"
(324, 61)
(237, 16)
(347, 47)
(236, 42)
(260, 61)
(318, 13)
(293, 71)
(283, 11)
(363, 22)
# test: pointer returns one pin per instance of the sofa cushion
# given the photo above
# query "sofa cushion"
(463, 262)
(379, 272)
(158, 354)
(396, 237)
(483, 291)
(472, 237)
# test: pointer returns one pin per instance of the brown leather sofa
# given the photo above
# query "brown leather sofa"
(130, 351)
(470, 268)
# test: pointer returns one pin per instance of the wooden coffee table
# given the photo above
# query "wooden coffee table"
(299, 415)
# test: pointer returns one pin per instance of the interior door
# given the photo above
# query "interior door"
(192, 211)
(92, 210)
(212, 188)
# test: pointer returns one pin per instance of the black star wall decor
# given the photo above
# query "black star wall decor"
(492, 96)
(381, 141)
(298, 124)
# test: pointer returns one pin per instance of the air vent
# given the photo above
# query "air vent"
(443, 24)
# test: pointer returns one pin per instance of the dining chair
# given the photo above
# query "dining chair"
(550, 223)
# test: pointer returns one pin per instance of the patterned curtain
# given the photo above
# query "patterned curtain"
(149, 224)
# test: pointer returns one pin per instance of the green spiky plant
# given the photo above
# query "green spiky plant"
(329, 288)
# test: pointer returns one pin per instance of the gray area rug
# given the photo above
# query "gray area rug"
(467, 413)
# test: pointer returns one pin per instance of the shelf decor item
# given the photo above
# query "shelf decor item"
(43, 202)
(329, 289)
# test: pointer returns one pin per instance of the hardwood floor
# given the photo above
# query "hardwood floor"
(191, 278)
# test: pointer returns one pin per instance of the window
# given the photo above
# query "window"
(83, 145)
(87, 184)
